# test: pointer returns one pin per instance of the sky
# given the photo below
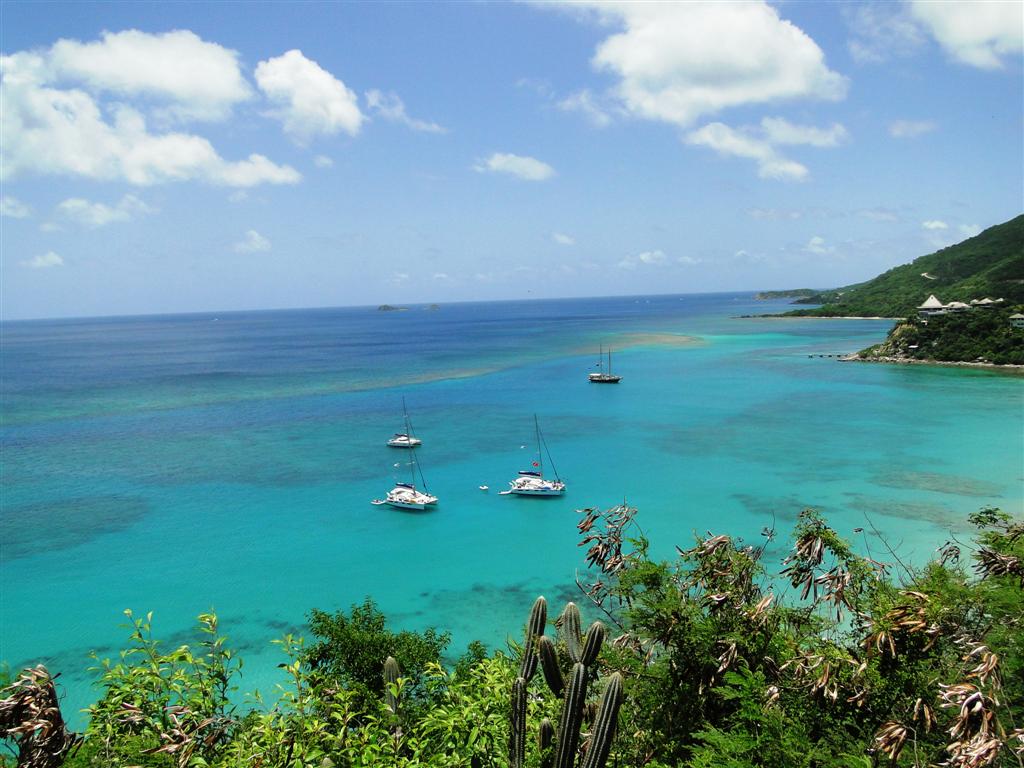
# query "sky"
(167, 157)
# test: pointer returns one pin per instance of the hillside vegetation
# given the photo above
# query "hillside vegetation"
(990, 264)
(984, 335)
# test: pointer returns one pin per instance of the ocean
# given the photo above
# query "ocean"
(187, 463)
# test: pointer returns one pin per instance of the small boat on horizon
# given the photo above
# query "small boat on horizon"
(601, 377)
(531, 482)
(405, 439)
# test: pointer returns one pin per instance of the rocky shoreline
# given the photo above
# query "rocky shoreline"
(1009, 367)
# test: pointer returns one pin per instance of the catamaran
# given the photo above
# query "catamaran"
(407, 495)
(405, 439)
(531, 482)
(601, 377)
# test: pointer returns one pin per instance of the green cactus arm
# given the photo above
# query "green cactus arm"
(603, 731)
(545, 736)
(572, 717)
(549, 665)
(569, 624)
(534, 629)
(593, 642)
(517, 732)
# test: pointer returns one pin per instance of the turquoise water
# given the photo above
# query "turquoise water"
(187, 463)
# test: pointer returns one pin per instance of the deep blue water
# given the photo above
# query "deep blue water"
(226, 461)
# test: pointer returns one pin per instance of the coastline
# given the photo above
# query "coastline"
(1008, 367)
(817, 317)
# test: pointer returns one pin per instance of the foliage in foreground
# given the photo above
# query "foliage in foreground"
(838, 661)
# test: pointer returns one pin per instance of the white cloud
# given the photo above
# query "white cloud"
(253, 242)
(879, 214)
(391, 107)
(881, 31)
(65, 132)
(562, 239)
(201, 80)
(649, 258)
(323, 161)
(95, 215)
(969, 230)
(309, 100)
(14, 208)
(980, 34)
(934, 224)
(775, 214)
(729, 141)
(44, 261)
(780, 131)
(584, 102)
(817, 246)
(678, 62)
(910, 129)
(760, 143)
(528, 168)
(441, 276)
(687, 261)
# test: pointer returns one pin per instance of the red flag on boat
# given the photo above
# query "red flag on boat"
(536, 464)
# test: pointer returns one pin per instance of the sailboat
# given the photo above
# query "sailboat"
(405, 439)
(531, 482)
(601, 377)
(407, 495)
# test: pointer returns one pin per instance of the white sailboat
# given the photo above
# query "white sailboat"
(531, 482)
(601, 377)
(405, 439)
(407, 495)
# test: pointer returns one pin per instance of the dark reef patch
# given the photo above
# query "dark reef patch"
(32, 529)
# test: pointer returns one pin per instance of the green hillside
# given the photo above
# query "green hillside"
(989, 264)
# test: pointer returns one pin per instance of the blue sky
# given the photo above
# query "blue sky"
(175, 157)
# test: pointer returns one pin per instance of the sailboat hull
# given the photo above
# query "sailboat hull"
(536, 491)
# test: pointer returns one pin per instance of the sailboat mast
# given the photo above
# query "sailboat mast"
(540, 453)
(609, 361)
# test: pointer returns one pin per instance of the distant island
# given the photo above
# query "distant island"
(990, 264)
(389, 308)
(794, 293)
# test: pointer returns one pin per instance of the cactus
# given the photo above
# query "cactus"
(604, 724)
(592, 644)
(559, 750)
(391, 674)
(572, 716)
(549, 665)
(534, 629)
(545, 735)
(517, 735)
(569, 624)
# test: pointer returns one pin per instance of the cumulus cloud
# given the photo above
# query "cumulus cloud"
(93, 215)
(64, 131)
(760, 144)
(934, 224)
(14, 208)
(522, 167)
(678, 62)
(308, 99)
(780, 131)
(253, 242)
(585, 103)
(969, 230)
(390, 107)
(649, 258)
(818, 247)
(980, 34)
(910, 129)
(441, 276)
(562, 239)
(43, 261)
(199, 79)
